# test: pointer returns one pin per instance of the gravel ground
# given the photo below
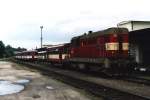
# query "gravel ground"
(37, 86)
(134, 88)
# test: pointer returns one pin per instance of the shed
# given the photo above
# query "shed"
(139, 39)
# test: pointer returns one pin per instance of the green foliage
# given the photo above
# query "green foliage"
(9, 51)
(19, 49)
(2, 49)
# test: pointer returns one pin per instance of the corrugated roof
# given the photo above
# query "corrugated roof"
(132, 21)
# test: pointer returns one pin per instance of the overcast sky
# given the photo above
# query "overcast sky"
(20, 20)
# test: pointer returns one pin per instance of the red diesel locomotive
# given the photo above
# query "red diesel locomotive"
(106, 51)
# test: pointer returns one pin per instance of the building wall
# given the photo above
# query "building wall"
(138, 39)
(141, 25)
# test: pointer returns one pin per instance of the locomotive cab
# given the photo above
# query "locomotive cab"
(117, 44)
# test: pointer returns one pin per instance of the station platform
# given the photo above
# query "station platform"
(18, 83)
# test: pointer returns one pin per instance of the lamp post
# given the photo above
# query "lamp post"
(41, 35)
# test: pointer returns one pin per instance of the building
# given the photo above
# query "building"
(139, 39)
(134, 25)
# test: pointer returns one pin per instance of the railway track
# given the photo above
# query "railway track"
(137, 79)
(107, 93)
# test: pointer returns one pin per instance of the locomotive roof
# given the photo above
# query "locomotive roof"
(103, 32)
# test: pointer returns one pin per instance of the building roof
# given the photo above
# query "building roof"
(132, 21)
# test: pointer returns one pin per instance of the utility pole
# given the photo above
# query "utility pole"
(41, 35)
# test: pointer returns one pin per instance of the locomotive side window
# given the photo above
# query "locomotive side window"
(112, 46)
(112, 43)
(83, 43)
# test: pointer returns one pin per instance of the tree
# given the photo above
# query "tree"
(19, 49)
(9, 51)
(2, 49)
